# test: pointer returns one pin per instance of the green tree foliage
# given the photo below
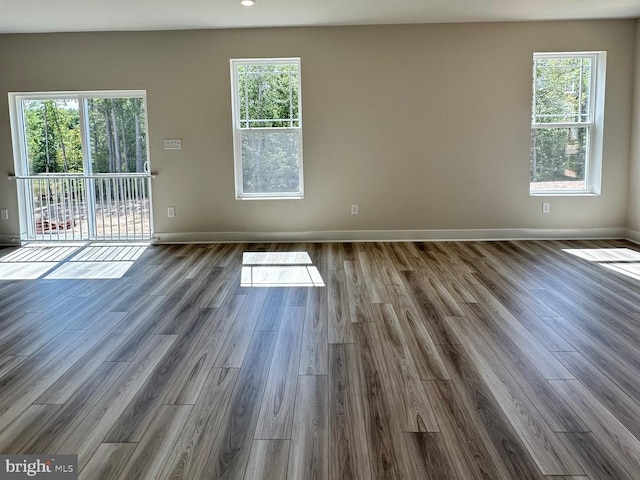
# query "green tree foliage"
(269, 99)
(268, 95)
(117, 135)
(561, 95)
(53, 136)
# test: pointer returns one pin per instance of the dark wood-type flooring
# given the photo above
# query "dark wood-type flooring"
(441, 360)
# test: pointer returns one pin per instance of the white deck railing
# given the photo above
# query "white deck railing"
(61, 207)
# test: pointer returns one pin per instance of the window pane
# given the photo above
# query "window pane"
(561, 90)
(270, 162)
(52, 135)
(117, 132)
(268, 95)
(558, 158)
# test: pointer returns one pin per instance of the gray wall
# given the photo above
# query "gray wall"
(424, 126)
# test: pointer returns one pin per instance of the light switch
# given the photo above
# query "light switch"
(172, 143)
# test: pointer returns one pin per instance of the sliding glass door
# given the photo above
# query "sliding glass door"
(82, 166)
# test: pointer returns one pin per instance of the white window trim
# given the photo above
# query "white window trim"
(593, 170)
(237, 131)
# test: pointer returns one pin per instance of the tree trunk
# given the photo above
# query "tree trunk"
(125, 156)
(139, 161)
(65, 163)
(46, 138)
(94, 131)
(107, 125)
(116, 139)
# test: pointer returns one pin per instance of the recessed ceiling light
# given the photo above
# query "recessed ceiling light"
(247, 3)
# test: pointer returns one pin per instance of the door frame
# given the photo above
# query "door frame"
(20, 152)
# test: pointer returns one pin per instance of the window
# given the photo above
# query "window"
(567, 118)
(267, 128)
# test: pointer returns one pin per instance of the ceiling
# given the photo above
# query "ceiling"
(22, 16)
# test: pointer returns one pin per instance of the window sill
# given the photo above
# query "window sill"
(563, 194)
(270, 198)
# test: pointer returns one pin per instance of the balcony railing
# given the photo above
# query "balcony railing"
(67, 207)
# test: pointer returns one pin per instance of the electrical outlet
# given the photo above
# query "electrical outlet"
(172, 143)
(546, 207)
(4, 214)
(171, 212)
(354, 209)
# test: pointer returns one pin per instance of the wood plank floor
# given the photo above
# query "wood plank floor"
(442, 360)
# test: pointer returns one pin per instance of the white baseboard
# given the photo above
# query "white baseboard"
(395, 235)
(386, 235)
(632, 235)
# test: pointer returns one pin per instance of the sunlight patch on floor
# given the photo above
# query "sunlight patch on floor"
(629, 269)
(605, 254)
(279, 269)
(24, 271)
(89, 270)
(109, 253)
(619, 260)
(39, 253)
(70, 261)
